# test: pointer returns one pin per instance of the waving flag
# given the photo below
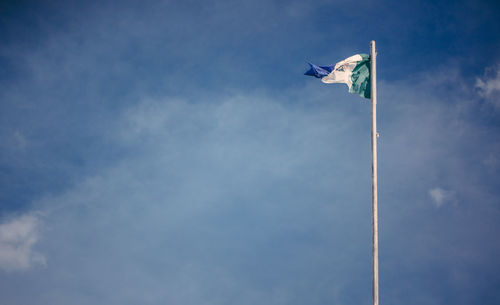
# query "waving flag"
(353, 71)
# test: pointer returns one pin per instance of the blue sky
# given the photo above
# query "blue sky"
(173, 152)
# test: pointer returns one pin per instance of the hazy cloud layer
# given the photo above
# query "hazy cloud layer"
(251, 199)
(217, 204)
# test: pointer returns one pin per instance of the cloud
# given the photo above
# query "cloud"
(489, 86)
(440, 196)
(18, 237)
(228, 201)
(247, 199)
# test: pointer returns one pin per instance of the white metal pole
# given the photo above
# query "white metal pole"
(373, 87)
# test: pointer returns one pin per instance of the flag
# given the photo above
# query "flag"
(353, 71)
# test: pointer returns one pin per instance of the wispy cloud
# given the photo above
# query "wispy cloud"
(211, 196)
(489, 86)
(248, 187)
(440, 196)
(18, 238)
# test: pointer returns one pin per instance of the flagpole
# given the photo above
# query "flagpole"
(373, 88)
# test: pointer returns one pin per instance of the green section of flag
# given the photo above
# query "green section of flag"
(361, 77)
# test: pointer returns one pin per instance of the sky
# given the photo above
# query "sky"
(173, 152)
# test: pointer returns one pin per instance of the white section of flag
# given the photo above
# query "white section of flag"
(343, 71)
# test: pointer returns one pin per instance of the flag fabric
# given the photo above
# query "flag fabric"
(353, 71)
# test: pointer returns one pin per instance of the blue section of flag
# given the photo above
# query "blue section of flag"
(319, 71)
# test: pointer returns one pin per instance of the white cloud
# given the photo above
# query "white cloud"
(489, 86)
(440, 196)
(17, 239)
